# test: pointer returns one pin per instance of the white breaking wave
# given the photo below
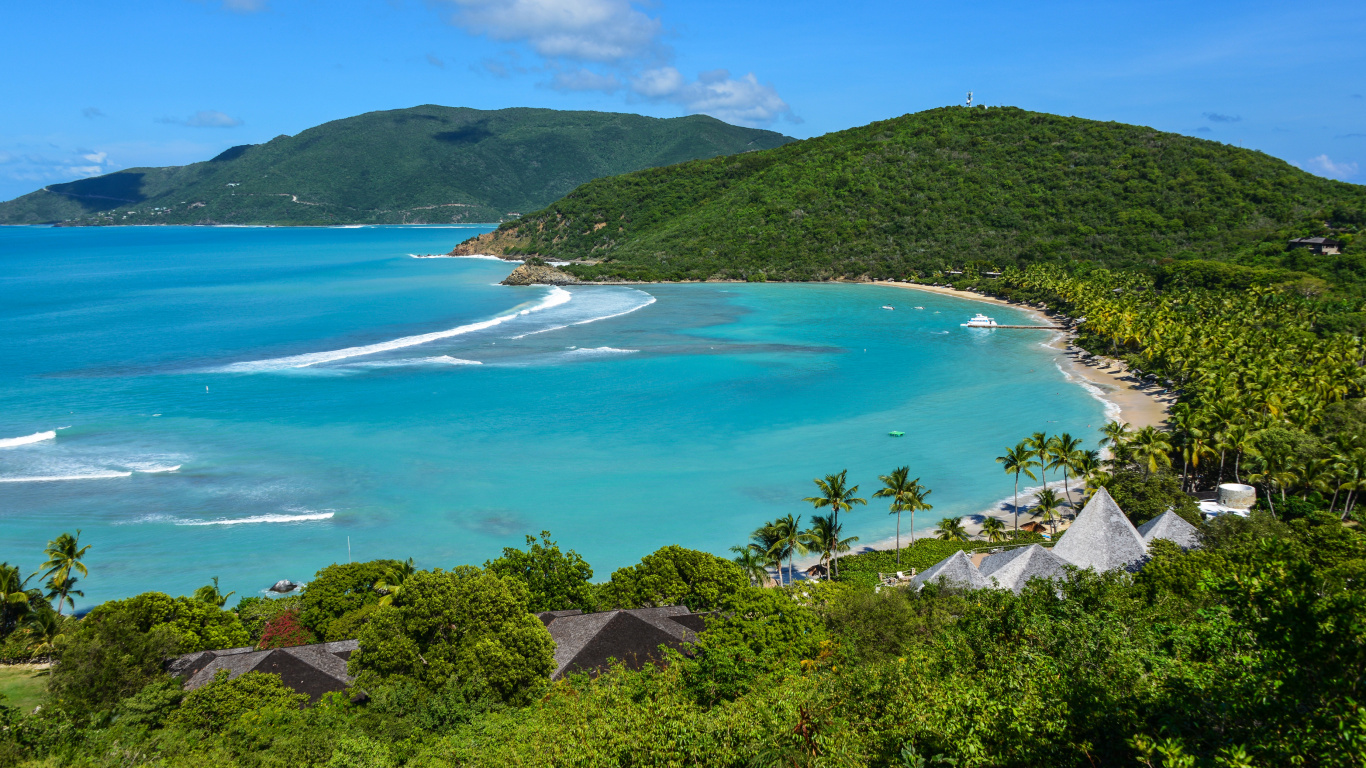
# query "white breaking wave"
(270, 518)
(592, 351)
(619, 314)
(56, 478)
(1112, 409)
(437, 360)
(158, 470)
(556, 297)
(484, 257)
(648, 301)
(11, 442)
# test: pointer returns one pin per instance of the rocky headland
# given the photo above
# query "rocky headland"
(537, 274)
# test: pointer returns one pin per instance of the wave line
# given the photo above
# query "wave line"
(11, 442)
(556, 297)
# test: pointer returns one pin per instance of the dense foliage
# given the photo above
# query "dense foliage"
(427, 164)
(1249, 652)
(934, 190)
(556, 581)
(1270, 380)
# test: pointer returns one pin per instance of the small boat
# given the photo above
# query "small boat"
(980, 321)
(895, 433)
(919, 307)
(888, 306)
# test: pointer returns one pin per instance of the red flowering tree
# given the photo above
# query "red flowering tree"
(285, 631)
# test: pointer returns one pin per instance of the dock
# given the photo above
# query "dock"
(1029, 327)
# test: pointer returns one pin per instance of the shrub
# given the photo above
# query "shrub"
(285, 631)
(468, 625)
(555, 581)
(222, 700)
(673, 575)
(341, 588)
(256, 612)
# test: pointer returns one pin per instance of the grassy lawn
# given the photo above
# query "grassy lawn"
(23, 685)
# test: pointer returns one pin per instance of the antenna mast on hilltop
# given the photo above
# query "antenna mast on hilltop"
(969, 98)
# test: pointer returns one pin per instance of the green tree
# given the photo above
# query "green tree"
(1143, 497)
(825, 539)
(951, 529)
(790, 542)
(14, 598)
(557, 581)
(1151, 448)
(392, 583)
(210, 594)
(897, 486)
(468, 625)
(994, 529)
(673, 575)
(221, 701)
(339, 589)
(1064, 453)
(1046, 506)
(1018, 461)
(64, 555)
(839, 497)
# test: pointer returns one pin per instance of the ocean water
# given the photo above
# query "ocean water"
(255, 403)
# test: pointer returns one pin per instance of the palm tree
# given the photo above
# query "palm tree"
(1018, 460)
(1042, 446)
(1152, 448)
(14, 603)
(789, 542)
(760, 545)
(1064, 449)
(393, 580)
(994, 529)
(209, 594)
(836, 496)
(752, 563)
(917, 503)
(62, 590)
(1046, 506)
(1116, 434)
(824, 538)
(897, 486)
(951, 529)
(43, 627)
(64, 555)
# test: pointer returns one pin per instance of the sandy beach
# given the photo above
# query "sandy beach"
(1126, 399)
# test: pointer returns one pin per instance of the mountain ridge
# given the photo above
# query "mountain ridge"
(425, 164)
(930, 192)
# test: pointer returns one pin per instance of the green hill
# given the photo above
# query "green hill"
(948, 188)
(421, 165)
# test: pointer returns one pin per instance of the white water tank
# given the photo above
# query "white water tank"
(1237, 496)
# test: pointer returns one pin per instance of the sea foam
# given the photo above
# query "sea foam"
(555, 298)
(303, 517)
(11, 442)
(56, 478)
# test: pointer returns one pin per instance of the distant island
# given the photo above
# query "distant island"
(423, 165)
(949, 188)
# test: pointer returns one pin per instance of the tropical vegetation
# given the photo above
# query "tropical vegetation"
(427, 164)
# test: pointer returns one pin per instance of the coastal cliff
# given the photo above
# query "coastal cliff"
(495, 243)
(536, 274)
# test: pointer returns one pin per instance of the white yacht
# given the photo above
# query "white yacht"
(980, 321)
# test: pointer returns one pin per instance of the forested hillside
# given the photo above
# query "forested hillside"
(426, 164)
(947, 188)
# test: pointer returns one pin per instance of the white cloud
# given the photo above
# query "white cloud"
(1325, 166)
(39, 167)
(204, 118)
(743, 101)
(612, 46)
(602, 31)
(95, 157)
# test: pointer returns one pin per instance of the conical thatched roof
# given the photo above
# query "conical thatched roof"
(956, 569)
(1173, 528)
(1101, 537)
(1013, 568)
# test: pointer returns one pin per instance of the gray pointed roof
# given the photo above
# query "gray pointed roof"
(1173, 528)
(312, 669)
(587, 641)
(1101, 537)
(1013, 568)
(956, 569)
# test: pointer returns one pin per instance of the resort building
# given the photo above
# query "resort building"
(1319, 245)
(312, 669)
(1101, 538)
(587, 642)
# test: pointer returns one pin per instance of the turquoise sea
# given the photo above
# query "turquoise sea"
(254, 403)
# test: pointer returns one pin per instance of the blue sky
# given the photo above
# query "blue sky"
(97, 86)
